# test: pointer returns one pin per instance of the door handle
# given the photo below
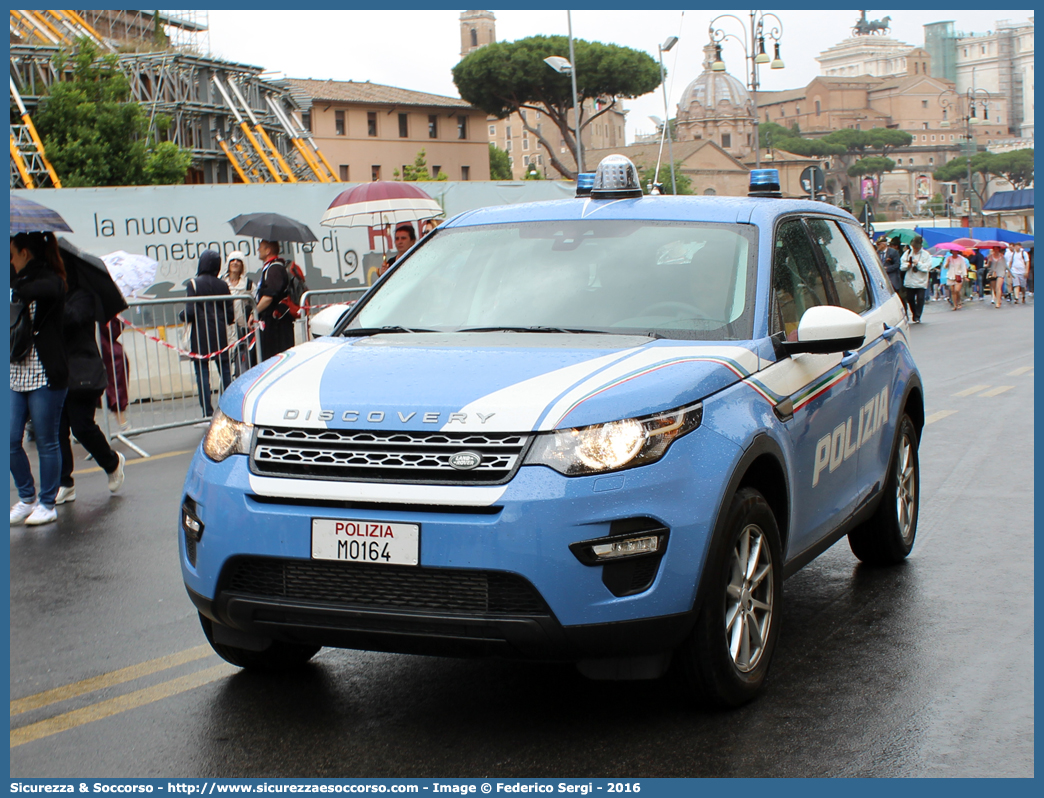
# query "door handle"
(889, 332)
(850, 359)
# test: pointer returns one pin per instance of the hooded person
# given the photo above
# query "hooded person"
(209, 322)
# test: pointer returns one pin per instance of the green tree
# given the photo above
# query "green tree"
(533, 173)
(684, 181)
(505, 77)
(418, 171)
(1015, 166)
(875, 165)
(94, 134)
(984, 164)
(499, 163)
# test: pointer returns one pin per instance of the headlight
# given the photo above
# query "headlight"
(226, 437)
(615, 445)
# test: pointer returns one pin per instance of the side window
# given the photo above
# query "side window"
(842, 265)
(797, 283)
(868, 255)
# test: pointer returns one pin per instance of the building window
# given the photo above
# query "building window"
(781, 111)
(404, 129)
(465, 173)
(748, 140)
(511, 160)
(433, 126)
(507, 146)
(344, 173)
(371, 124)
(525, 160)
(916, 68)
(899, 162)
(924, 104)
(931, 160)
(339, 123)
(375, 172)
(933, 138)
(462, 127)
(435, 171)
(726, 140)
(492, 130)
(525, 144)
(924, 137)
(540, 160)
(522, 113)
(306, 121)
(797, 110)
(474, 38)
(817, 108)
(951, 137)
(508, 131)
(709, 191)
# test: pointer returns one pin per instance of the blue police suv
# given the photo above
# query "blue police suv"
(600, 430)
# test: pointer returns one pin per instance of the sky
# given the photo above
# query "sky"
(416, 49)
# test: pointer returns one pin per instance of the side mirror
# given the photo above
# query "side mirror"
(825, 329)
(325, 321)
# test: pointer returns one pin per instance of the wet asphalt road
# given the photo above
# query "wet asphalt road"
(925, 669)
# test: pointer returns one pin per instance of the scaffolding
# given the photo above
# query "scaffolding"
(237, 126)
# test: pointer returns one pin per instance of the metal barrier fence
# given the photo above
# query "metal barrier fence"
(166, 358)
(316, 301)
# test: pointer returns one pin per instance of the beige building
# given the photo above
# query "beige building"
(717, 107)
(371, 132)
(519, 134)
(1001, 62)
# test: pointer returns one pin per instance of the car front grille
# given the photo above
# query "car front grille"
(386, 587)
(374, 456)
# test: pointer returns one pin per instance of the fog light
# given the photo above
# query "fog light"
(623, 548)
(190, 521)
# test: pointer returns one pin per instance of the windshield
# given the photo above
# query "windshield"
(671, 279)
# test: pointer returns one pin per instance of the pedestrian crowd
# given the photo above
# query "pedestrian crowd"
(962, 274)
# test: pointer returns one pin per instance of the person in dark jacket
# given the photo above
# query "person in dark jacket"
(890, 261)
(277, 326)
(40, 378)
(209, 322)
(87, 381)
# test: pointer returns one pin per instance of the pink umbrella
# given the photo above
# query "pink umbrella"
(380, 203)
(952, 246)
(991, 245)
(966, 243)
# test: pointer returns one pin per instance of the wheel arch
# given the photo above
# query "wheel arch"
(913, 405)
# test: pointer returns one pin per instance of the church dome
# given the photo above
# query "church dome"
(711, 89)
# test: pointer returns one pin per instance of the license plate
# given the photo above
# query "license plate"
(378, 542)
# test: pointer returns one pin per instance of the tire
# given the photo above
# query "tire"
(888, 536)
(726, 658)
(279, 656)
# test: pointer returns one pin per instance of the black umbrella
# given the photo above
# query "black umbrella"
(90, 273)
(271, 227)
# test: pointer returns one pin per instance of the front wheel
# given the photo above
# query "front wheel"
(888, 536)
(726, 658)
(279, 656)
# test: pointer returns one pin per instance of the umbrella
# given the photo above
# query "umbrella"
(92, 274)
(952, 246)
(967, 243)
(380, 203)
(271, 227)
(132, 273)
(32, 217)
(990, 244)
(903, 234)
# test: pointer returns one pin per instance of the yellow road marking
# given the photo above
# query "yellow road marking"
(114, 706)
(999, 389)
(141, 460)
(64, 693)
(1020, 372)
(938, 415)
(970, 391)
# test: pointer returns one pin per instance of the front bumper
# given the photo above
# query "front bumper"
(523, 539)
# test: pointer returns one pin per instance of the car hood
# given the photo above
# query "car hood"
(490, 382)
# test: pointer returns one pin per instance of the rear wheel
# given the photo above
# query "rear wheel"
(279, 656)
(726, 658)
(888, 536)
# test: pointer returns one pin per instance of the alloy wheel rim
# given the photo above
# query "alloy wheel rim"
(749, 599)
(906, 489)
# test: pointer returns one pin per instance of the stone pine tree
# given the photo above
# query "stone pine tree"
(499, 163)
(505, 77)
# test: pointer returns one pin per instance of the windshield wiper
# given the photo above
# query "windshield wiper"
(571, 331)
(351, 331)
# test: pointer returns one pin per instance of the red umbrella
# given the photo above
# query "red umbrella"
(380, 203)
(991, 245)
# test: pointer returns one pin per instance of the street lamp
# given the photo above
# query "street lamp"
(973, 98)
(564, 67)
(754, 51)
(663, 48)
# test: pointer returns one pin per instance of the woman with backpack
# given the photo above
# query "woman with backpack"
(87, 381)
(39, 371)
